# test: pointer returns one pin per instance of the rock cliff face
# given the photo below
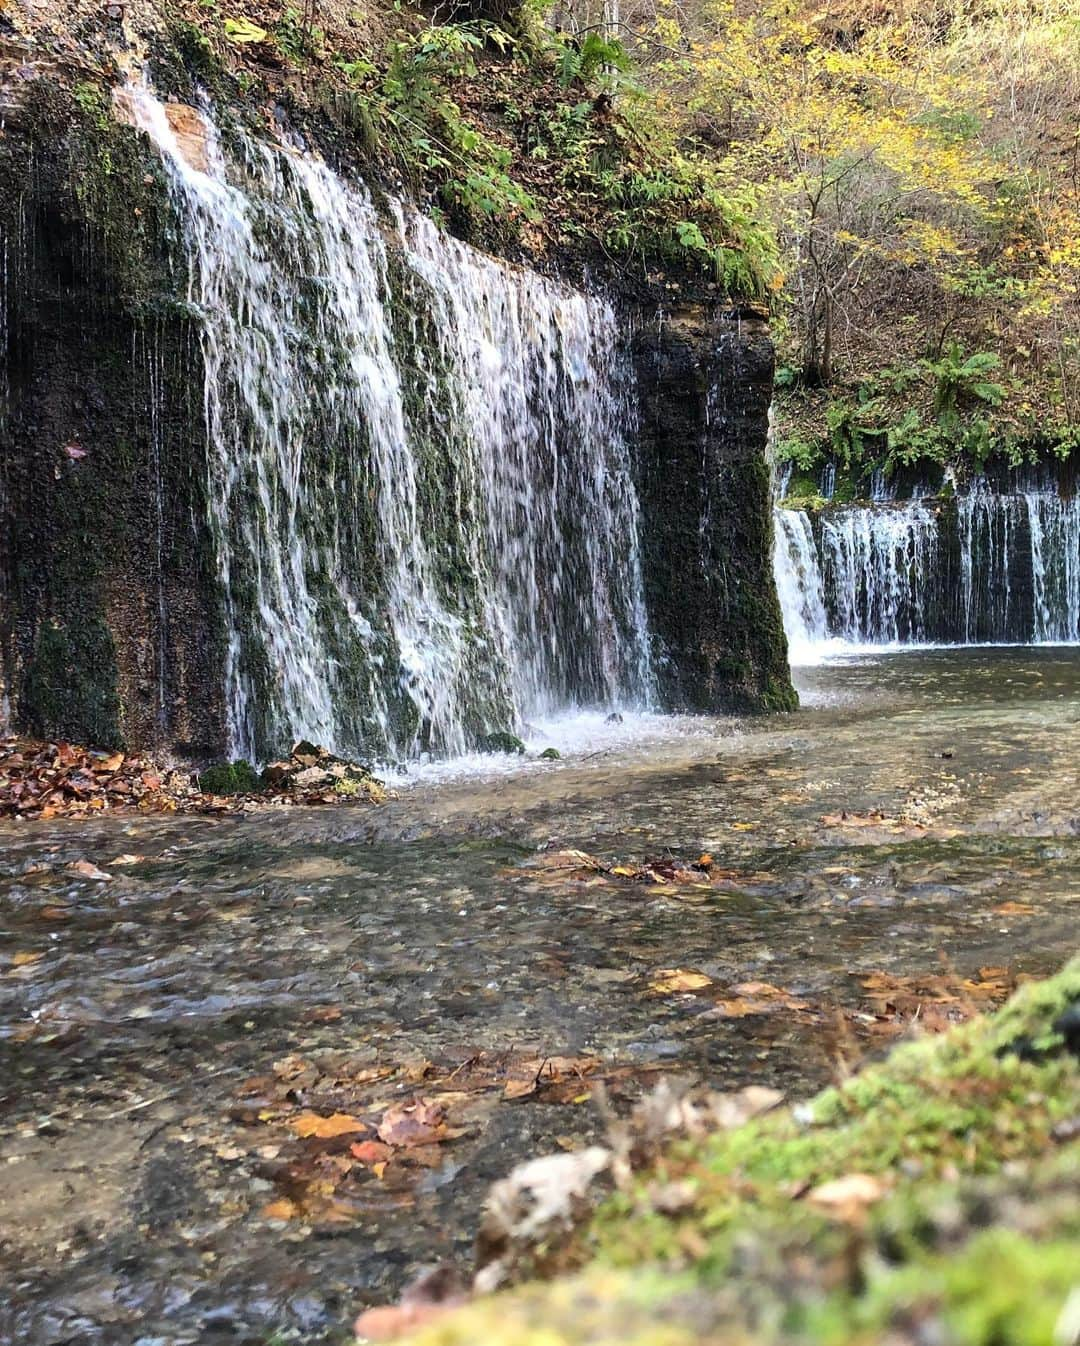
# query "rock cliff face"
(108, 630)
(705, 379)
(111, 613)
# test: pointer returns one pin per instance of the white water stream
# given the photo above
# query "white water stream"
(422, 513)
(988, 568)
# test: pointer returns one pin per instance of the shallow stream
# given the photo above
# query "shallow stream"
(164, 1031)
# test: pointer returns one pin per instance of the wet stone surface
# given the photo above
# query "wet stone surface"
(441, 986)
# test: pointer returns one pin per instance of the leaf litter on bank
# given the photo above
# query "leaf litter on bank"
(46, 780)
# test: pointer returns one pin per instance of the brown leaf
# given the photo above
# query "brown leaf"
(850, 1197)
(87, 870)
(418, 1123)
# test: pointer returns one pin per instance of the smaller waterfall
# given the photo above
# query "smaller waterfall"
(981, 567)
(799, 584)
(1054, 528)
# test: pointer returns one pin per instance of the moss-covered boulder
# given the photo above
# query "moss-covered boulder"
(934, 1197)
(231, 778)
(500, 741)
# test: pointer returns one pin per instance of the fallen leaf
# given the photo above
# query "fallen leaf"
(408, 1124)
(672, 980)
(25, 958)
(849, 1198)
(87, 870)
(325, 1128)
(733, 1110)
(391, 1321)
(283, 1209)
(370, 1152)
(127, 859)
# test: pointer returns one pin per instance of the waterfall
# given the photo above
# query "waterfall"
(981, 567)
(1054, 528)
(422, 512)
(799, 584)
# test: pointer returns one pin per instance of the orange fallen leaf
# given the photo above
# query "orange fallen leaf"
(673, 980)
(325, 1128)
(25, 958)
(284, 1209)
(371, 1153)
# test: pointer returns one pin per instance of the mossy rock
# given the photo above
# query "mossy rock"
(70, 689)
(500, 741)
(231, 778)
(550, 755)
(971, 1229)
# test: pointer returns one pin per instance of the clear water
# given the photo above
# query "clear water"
(132, 1199)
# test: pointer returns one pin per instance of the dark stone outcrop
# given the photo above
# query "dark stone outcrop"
(705, 382)
(108, 619)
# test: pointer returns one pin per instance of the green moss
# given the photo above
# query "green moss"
(231, 778)
(550, 755)
(500, 741)
(70, 689)
(780, 696)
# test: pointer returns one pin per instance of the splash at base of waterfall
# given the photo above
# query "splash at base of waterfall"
(977, 569)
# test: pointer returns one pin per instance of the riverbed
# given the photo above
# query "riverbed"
(722, 902)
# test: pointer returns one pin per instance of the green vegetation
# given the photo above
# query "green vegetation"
(898, 186)
(500, 742)
(515, 133)
(939, 1188)
(231, 778)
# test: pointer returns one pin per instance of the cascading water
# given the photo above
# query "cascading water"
(799, 584)
(422, 508)
(983, 566)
